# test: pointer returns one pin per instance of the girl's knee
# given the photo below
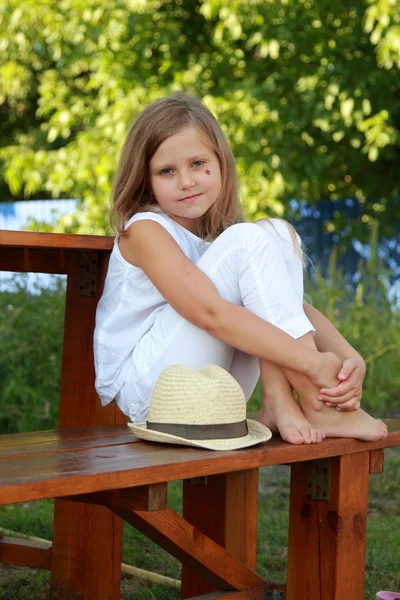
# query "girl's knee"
(284, 233)
(243, 232)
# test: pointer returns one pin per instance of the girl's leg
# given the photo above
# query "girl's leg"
(247, 268)
(355, 424)
(335, 424)
(280, 412)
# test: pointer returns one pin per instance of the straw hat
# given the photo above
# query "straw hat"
(204, 408)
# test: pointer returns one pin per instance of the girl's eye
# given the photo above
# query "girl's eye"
(198, 163)
(165, 171)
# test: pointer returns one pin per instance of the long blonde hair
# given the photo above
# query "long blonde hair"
(160, 120)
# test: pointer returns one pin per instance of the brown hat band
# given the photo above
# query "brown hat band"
(202, 432)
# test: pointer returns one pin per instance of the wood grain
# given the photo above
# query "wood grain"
(34, 260)
(376, 461)
(327, 539)
(48, 475)
(31, 239)
(26, 553)
(190, 546)
(40, 442)
(87, 539)
(226, 511)
(145, 497)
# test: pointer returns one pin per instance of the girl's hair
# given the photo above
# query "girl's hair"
(160, 120)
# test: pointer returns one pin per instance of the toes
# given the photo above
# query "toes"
(294, 437)
(383, 428)
(312, 435)
(306, 433)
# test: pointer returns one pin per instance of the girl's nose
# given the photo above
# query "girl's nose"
(185, 179)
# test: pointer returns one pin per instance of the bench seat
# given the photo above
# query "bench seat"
(52, 464)
(108, 466)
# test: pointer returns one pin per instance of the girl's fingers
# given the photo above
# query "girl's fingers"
(339, 400)
(348, 406)
(338, 391)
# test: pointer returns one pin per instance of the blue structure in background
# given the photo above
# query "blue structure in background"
(16, 215)
(318, 241)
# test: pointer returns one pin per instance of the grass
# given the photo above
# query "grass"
(383, 539)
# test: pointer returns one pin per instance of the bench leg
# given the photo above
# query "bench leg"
(86, 558)
(225, 509)
(327, 539)
(87, 540)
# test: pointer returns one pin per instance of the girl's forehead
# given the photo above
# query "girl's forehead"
(187, 142)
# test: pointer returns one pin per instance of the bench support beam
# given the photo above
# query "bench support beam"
(144, 497)
(25, 553)
(190, 546)
(225, 509)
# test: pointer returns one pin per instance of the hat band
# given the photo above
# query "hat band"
(202, 432)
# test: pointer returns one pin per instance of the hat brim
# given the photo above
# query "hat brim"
(257, 433)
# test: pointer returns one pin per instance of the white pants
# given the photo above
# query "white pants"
(254, 265)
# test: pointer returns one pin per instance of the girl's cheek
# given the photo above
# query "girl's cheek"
(208, 172)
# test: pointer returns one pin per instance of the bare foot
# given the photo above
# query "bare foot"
(356, 424)
(283, 416)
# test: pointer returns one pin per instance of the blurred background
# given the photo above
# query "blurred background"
(308, 94)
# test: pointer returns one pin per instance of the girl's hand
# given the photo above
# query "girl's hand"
(346, 396)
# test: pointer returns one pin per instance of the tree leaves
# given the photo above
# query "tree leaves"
(306, 91)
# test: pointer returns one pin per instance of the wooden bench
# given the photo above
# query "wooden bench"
(100, 474)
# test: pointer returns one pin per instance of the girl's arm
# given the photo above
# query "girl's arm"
(327, 337)
(193, 295)
(347, 394)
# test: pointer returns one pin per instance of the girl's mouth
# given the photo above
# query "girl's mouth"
(190, 198)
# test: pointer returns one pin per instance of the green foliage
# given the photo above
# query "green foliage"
(306, 90)
(369, 319)
(31, 330)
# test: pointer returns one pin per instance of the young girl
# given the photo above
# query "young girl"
(189, 283)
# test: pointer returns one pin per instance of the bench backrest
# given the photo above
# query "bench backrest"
(84, 260)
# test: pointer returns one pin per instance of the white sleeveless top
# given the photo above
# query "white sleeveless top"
(128, 307)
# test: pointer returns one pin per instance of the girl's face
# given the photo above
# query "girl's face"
(185, 177)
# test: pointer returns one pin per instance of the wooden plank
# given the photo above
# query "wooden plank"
(190, 546)
(145, 497)
(34, 477)
(327, 539)
(33, 260)
(32, 239)
(87, 539)
(64, 436)
(225, 509)
(67, 440)
(376, 461)
(26, 553)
